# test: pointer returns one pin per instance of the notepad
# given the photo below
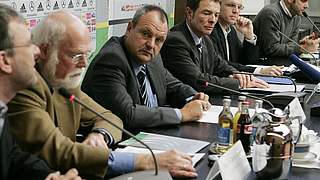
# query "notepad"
(275, 80)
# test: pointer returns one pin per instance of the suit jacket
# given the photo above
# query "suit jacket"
(181, 58)
(239, 53)
(16, 164)
(45, 123)
(110, 80)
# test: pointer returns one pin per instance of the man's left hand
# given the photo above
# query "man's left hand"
(96, 140)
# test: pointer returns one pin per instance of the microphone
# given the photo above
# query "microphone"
(265, 75)
(206, 84)
(306, 15)
(304, 49)
(142, 174)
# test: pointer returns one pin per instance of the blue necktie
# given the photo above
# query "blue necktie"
(142, 78)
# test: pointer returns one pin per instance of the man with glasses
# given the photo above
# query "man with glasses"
(17, 72)
(283, 16)
(46, 123)
(189, 55)
(228, 45)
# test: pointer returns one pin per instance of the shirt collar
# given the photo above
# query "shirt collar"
(3, 108)
(285, 9)
(196, 39)
(225, 31)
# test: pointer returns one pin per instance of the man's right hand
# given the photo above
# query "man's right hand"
(193, 110)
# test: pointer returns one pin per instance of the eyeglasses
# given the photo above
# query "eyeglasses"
(79, 57)
(234, 6)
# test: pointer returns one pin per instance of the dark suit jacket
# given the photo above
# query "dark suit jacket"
(16, 164)
(240, 53)
(110, 80)
(180, 57)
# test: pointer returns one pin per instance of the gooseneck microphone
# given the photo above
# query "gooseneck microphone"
(306, 15)
(72, 98)
(206, 84)
(265, 75)
(304, 49)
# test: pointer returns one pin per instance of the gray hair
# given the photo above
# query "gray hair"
(147, 8)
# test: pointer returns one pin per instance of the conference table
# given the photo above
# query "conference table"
(208, 132)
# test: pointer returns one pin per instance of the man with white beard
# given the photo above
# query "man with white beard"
(46, 123)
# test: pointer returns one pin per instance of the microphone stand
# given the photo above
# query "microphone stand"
(306, 15)
(206, 84)
(64, 92)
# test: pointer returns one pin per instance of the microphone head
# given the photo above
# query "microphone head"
(65, 93)
(304, 14)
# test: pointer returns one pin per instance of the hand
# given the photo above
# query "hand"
(204, 97)
(177, 163)
(96, 140)
(72, 174)
(272, 70)
(244, 79)
(310, 43)
(244, 25)
(255, 82)
(193, 110)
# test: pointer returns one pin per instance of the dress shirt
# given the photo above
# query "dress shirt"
(120, 163)
(285, 9)
(197, 40)
(151, 96)
(3, 110)
(225, 33)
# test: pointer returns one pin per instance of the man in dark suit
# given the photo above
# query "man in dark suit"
(228, 45)
(189, 55)
(17, 72)
(113, 78)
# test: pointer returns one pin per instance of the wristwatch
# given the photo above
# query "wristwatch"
(107, 137)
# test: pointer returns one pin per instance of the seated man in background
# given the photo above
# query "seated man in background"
(114, 77)
(189, 55)
(17, 72)
(228, 45)
(283, 16)
(45, 123)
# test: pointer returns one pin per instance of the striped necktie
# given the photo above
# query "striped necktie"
(199, 47)
(142, 79)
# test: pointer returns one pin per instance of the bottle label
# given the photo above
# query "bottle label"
(247, 129)
(224, 136)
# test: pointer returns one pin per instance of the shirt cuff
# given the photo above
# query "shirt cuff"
(257, 70)
(120, 163)
(178, 112)
(252, 41)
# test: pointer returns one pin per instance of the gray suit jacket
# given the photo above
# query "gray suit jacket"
(110, 80)
(180, 57)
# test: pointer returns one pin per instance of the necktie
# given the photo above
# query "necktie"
(199, 47)
(142, 79)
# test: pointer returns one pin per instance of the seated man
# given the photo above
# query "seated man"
(45, 123)
(283, 16)
(113, 78)
(17, 72)
(189, 55)
(227, 44)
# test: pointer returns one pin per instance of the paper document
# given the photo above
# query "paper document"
(212, 115)
(195, 157)
(163, 142)
(276, 88)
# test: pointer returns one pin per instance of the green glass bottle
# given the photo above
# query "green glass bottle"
(225, 127)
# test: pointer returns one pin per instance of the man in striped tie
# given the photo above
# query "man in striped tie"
(128, 77)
